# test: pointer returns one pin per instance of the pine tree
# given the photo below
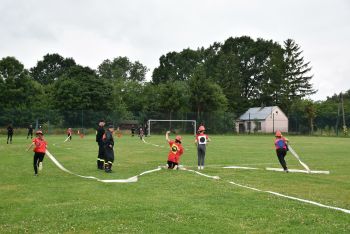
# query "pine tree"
(297, 74)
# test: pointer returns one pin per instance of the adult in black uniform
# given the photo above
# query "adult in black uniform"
(109, 151)
(30, 132)
(101, 150)
(9, 133)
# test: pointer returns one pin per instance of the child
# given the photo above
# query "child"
(281, 149)
(176, 150)
(39, 151)
(201, 140)
(69, 133)
(108, 141)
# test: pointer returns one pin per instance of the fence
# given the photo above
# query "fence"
(217, 123)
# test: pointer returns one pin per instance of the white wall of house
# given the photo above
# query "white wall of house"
(277, 120)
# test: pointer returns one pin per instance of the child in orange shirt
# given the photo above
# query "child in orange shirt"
(40, 146)
(176, 150)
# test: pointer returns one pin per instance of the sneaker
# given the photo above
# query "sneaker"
(35, 174)
(286, 171)
(40, 166)
(199, 167)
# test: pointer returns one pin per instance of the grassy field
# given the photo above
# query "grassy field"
(175, 201)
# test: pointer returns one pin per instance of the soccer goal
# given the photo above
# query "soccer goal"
(190, 124)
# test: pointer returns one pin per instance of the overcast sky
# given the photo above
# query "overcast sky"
(91, 31)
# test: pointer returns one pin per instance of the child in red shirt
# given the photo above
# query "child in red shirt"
(281, 145)
(176, 150)
(69, 133)
(201, 141)
(39, 151)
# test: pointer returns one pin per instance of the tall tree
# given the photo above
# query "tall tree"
(297, 73)
(122, 69)
(51, 68)
(205, 96)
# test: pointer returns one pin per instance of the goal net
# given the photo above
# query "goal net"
(160, 126)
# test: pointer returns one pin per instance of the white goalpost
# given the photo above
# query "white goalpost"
(194, 122)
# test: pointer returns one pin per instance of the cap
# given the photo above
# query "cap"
(39, 132)
(278, 133)
(201, 128)
(178, 138)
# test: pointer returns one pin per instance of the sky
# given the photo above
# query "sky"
(91, 31)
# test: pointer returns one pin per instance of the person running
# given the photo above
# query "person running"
(39, 151)
(108, 141)
(69, 133)
(281, 145)
(176, 150)
(201, 141)
(101, 149)
(9, 133)
(30, 132)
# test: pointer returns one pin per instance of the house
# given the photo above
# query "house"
(262, 119)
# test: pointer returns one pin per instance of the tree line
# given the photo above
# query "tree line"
(226, 77)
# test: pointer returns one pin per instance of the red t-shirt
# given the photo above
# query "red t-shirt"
(40, 145)
(202, 139)
(176, 150)
(69, 132)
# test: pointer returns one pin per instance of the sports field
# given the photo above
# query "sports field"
(175, 201)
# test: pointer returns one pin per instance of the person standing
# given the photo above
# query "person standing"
(9, 133)
(108, 141)
(281, 145)
(101, 150)
(69, 133)
(201, 141)
(30, 132)
(40, 146)
(141, 133)
(176, 150)
(132, 130)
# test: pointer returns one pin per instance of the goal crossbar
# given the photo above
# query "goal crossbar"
(171, 120)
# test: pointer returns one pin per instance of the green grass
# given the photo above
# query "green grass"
(175, 201)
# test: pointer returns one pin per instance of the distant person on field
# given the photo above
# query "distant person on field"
(101, 149)
(176, 150)
(132, 130)
(201, 141)
(30, 132)
(40, 146)
(141, 133)
(9, 133)
(108, 141)
(281, 145)
(69, 133)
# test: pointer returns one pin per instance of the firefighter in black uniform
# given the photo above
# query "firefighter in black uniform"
(109, 151)
(9, 133)
(30, 132)
(101, 150)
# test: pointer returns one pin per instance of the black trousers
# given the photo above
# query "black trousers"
(101, 155)
(281, 153)
(30, 133)
(9, 137)
(38, 157)
(171, 164)
(109, 155)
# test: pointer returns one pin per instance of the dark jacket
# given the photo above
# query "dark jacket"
(99, 134)
(108, 139)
